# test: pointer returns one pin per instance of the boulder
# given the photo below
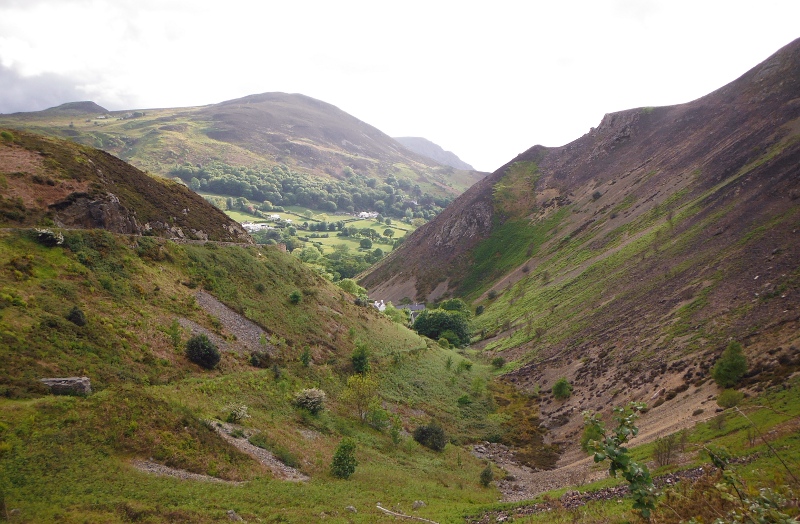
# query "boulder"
(69, 385)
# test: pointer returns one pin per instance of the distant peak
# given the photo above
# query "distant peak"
(80, 107)
(423, 146)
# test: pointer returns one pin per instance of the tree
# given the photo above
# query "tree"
(360, 359)
(360, 393)
(730, 367)
(388, 233)
(610, 445)
(344, 459)
(203, 352)
(366, 243)
(432, 323)
(295, 297)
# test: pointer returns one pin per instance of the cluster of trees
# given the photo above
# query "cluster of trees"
(279, 186)
(450, 321)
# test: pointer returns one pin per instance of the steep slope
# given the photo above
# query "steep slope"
(627, 259)
(425, 147)
(55, 182)
(266, 129)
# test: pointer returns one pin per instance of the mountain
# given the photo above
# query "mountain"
(48, 181)
(425, 147)
(268, 129)
(626, 260)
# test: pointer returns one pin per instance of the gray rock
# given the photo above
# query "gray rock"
(233, 516)
(351, 509)
(418, 504)
(68, 385)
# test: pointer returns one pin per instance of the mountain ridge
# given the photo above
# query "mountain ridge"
(425, 147)
(254, 131)
(627, 259)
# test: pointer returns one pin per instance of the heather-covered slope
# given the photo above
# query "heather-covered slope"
(627, 259)
(48, 181)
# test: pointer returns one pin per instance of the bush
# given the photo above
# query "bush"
(203, 352)
(236, 413)
(487, 476)
(344, 459)
(479, 310)
(260, 359)
(295, 297)
(498, 362)
(76, 316)
(312, 400)
(729, 398)
(431, 436)
(562, 389)
(590, 432)
(730, 366)
(305, 357)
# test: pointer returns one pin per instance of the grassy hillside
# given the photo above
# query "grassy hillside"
(72, 458)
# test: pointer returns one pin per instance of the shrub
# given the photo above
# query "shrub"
(236, 413)
(312, 400)
(730, 366)
(260, 359)
(487, 476)
(498, 362)
(596, 195)
(344, 459)
(664, 448)
(590, 432)
(729, 398)
(492, 294)
(295, 297)
(431, 436)
(203, 352)
(479, 310)
(562, 389)
(76, 316)
(305, 357)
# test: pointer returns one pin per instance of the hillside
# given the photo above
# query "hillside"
(425, 147)
(88, 290)
(48, 181)
(269, 129)
(626, 260)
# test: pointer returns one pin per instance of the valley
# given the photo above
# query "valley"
(218, 293)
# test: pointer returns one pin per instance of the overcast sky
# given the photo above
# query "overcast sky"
(486, 80)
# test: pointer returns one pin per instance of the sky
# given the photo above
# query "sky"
(486, 80)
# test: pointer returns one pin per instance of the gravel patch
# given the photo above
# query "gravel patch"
(248, 334)
(278, 468)
(154, 468)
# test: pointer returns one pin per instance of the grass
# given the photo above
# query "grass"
(149, 402)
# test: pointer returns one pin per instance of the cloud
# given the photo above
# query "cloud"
(34, 93)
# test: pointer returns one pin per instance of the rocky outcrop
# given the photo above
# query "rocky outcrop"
(81, 386)
(81, 210)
